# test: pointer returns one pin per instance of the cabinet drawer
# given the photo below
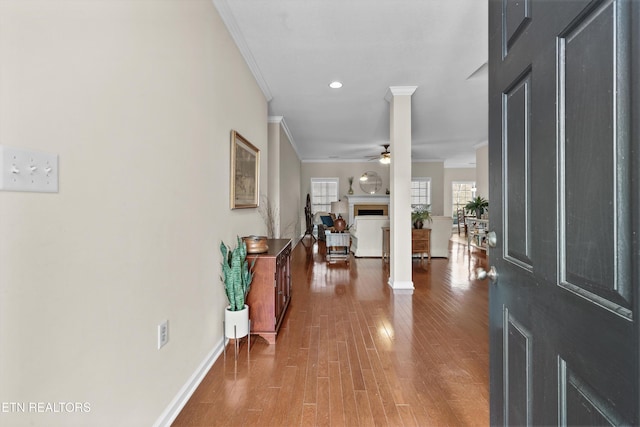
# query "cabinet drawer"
(419, 245)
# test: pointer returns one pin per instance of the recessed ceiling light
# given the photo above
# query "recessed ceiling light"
(335, 85)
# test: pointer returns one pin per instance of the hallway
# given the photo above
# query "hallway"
(351, 353)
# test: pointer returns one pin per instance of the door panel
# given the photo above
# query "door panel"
(580, 405)
(562, 154)
(517, 357)
(589, 265)
(517, 238)
(517, 15)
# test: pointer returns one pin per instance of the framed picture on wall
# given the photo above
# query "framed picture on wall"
(245, 172)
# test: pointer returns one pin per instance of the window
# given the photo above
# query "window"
(323, 192)
(420, 191)
(461, 193)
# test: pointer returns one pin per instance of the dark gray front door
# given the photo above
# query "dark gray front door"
(564, 132)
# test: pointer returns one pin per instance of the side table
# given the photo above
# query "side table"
(421, 243)
(386, 237)
(338, 246)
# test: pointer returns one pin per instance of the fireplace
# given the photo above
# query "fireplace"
(370, 209)
(365, 212)
(367, 204)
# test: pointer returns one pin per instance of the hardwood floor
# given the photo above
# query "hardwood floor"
(351, 353)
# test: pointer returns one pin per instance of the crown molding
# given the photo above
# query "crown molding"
(336, 161)
(399, 90)
(280, 120)
(452, 164)
(232, 26)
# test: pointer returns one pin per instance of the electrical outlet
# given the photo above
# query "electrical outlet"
(163, 334)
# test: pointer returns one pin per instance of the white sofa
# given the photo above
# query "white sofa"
(366, 235)
(441, 228)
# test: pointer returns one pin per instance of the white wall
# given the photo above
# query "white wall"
(342, 170)
(284, 182)
(270, 200)
(479, 174)
(482, 170)
(455, 174)
(291, 203)
(435, 171)
(138, 98)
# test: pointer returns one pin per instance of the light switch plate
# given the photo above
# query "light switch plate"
(28, 170)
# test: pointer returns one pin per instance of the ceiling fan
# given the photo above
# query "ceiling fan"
(385, 156)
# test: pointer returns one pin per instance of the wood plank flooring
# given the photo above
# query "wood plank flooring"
(351, 353)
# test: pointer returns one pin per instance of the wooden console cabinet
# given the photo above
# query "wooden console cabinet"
(421, 242)
(270, 291)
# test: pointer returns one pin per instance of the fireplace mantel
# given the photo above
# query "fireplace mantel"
(366, 199)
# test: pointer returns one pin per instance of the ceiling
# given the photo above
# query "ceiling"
(295, 48)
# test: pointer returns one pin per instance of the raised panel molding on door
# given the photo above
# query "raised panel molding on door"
(517, 171)
(517, 372)
(517, 14)
(580, 405)
(598, 268)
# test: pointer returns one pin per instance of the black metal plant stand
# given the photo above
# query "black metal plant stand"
(236, 343)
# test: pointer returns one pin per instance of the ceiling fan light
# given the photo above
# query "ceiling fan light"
(364, 177)
(335, 85)
(385, 160)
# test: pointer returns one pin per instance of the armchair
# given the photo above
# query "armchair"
(366, 235)
(323, 221)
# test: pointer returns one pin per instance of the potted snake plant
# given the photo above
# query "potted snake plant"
(236, 277)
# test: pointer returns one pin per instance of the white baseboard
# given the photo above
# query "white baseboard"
(173, 410)
(401, 286)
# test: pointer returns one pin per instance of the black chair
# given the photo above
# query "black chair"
(309, 219)
(462, 224)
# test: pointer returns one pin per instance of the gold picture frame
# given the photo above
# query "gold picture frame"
(245, 173)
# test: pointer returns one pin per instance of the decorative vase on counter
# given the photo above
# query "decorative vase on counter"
(256, 244)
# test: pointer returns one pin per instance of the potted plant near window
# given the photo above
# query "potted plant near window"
(236, 277)
(420, 214)
(477, 206)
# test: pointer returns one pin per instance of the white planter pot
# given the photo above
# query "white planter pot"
(238, 320)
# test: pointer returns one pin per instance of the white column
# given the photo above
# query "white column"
(399, 97)
(273, 182)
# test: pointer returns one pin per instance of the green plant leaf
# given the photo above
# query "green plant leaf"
(236, 274)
